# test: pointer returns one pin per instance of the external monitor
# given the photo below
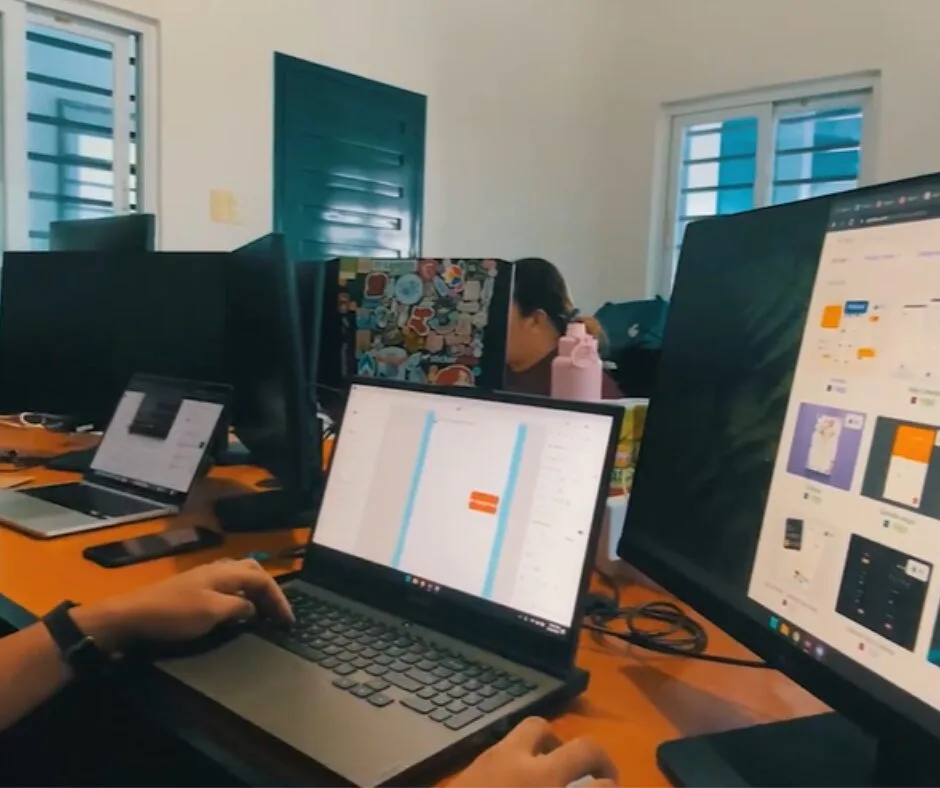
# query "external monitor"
(133, 232)
(76, 326)
(438, 321)
(788, 486)
(310, 275)
(271, 412)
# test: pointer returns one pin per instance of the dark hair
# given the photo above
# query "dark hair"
(538, 284)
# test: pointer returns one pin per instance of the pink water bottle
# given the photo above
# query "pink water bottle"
(577, 371)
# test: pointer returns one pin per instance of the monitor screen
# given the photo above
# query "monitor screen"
(491, 501)
(76, 326)
(788, 472)
(133, 232)
(159, 434)
(271, 411)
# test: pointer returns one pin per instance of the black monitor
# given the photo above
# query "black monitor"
(787, 486)
(133, 232)
(310, 284)
(76, 326)
(271, 411)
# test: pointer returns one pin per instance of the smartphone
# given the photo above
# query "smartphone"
(152, 546)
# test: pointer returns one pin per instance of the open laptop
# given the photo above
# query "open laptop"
(147, 462)
(440, 597)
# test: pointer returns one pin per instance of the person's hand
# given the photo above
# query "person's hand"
(187, 606)
(531, 755)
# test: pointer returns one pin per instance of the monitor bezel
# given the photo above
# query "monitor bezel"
(373, 584)
(862, 696)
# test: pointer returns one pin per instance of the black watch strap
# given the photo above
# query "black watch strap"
(78, 649)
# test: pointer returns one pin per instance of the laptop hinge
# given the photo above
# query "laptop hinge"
(124, 491)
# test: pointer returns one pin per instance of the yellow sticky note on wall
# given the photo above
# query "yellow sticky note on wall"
(223, 207)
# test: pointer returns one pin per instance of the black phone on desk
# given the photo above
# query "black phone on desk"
(174, 541)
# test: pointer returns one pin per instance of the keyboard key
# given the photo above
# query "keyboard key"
(472, 699)
(332, 651)
(474, 671)
(486, 691)
(410, 658)
(518, 689)
(433, 655)
(426, 664)
(501, 684)
(402, 681)
(354, 648)
(419, 705)
(488, 676)
(394, 651)
(496, 702)
(459, 678)
(472, 685)
(377, 685)
(362, 691)
(361, 662)
(463, 719)
(345, 656)
(344, 683)
(427, 693)
(376, 670)
(401, 667)
(455, 707)
(442, 673)
(344, 669)
(420, 675)
(383, 659)
(458, 692)
(379, 699)
(329, 662)
(439, 715)
(443, 686)
(369, 653)
(442, 699)
(455, 663)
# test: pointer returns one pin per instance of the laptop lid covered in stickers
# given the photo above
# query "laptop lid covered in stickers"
(427, 321)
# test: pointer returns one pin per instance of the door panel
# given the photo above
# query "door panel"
(348, 163)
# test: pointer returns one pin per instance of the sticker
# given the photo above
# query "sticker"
(402, 267)
(363, 265)
(393, 336)
(442, 289)
(414, 369)
(489, 264)
(409, 289)
(363, 318)
(444, 322)
(488, 287)
(390, 361)
(348, 265)
(427, 269)
(434, 343)
(469, 307)
(381, 264)
(453, 275)
(480, 319)
(476, 347)
(367, 366)
(380, 317)
(375, 285)
(464, 329)
(472, 290)
(418, 322)
(455, 375)
(413, 342)
(363, 340)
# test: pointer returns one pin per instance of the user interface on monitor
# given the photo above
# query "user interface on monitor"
(159, 436)
(849, 543)
(491, 500)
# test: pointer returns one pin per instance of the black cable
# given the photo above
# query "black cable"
(661, 627)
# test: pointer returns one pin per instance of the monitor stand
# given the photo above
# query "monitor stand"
(821, 750)
(270, 510)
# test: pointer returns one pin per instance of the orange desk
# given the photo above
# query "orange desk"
(636, 699)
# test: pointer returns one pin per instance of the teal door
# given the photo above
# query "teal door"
(348, 163)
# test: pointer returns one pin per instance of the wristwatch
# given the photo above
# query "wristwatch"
(80, 651)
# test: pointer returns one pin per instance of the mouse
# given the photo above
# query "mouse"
(156, 650)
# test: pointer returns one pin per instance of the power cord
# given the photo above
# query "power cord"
(659, 626)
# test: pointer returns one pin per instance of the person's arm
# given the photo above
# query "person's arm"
(184, 607)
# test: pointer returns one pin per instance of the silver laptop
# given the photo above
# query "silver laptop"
(145, 466)
(440, 596)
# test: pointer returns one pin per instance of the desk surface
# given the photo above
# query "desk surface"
(636, 699)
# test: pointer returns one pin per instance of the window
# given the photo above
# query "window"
(75, 141)
(744, 155)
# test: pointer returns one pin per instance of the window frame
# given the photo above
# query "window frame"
(767, 105)
(107, 25)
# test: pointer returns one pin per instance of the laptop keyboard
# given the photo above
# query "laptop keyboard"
(90, 500)
(370, 658)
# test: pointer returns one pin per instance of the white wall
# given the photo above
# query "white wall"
(543, 115)
(674, 50)
(513, 162)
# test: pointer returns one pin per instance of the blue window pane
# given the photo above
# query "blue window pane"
(737, 172)
(739, 136)
(735, 200)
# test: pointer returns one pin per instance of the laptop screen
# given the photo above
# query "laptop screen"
(159, 434)
(494, 500)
